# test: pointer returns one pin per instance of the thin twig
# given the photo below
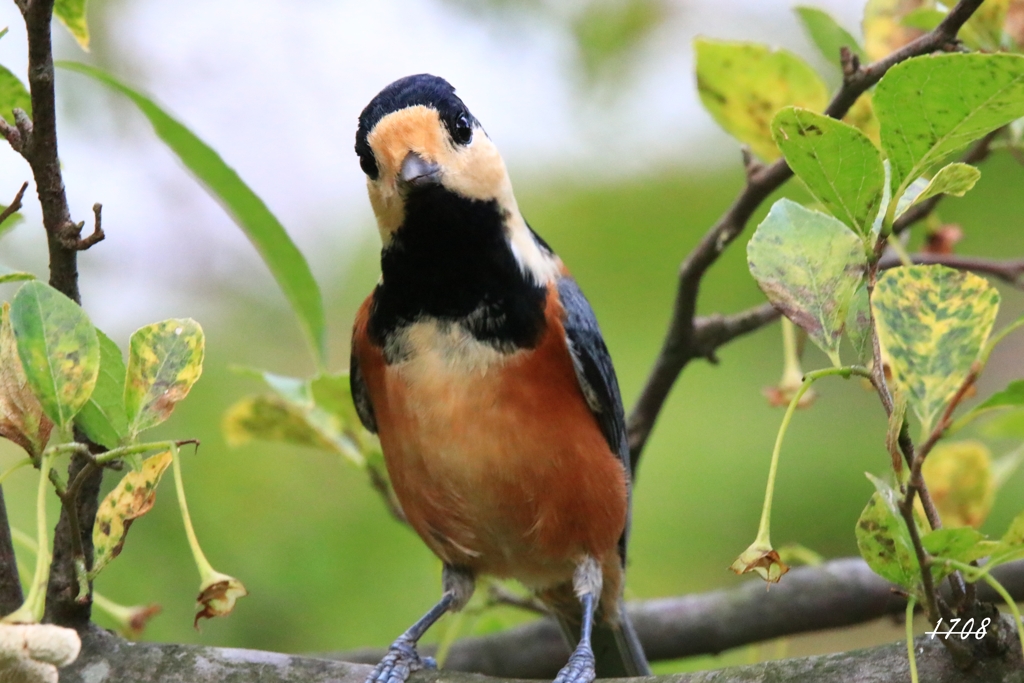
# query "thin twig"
(15, 205)
(678, 347)
(499, 595)
(71, 235)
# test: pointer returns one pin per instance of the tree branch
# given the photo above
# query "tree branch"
(11, 596)
(107, 657)
(36, 141)
(678, 349)
(838, 593)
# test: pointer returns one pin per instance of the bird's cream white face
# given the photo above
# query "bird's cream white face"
(474, 170)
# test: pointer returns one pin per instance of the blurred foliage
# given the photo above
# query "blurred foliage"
(608, 31)
(607, 34)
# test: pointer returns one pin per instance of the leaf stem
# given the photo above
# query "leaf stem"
(764, 527)
(897, 246)
(911, 603)
(135, 449)
(204, 566)
(31, 611)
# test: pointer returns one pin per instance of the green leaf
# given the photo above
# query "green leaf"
(72, 14)
(1010, 397)
(858, 325)
(22, 419)
(963, 545)
(1008, 426)
(837, 162)
(932, 323)
(8, 275)
(1015, 533)
(58, 349)
(271, 417)
(932, 106)
(291, 389)
(953, 179)
(333, 393)
(103, 418)
(884, 539)
(1011, 546)
(828, 35)
(809, 265)
(13, 95)
(317, 413)
(743, 85)
(164, 360)
(282, 257)
(3, 32)
(955, 544)
(133, 497)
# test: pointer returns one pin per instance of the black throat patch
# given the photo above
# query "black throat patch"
(451, 261)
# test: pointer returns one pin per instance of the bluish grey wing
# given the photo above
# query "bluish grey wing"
(594, 368)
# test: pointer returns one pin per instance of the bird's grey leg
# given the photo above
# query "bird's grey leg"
(586, 581)
(402, 658)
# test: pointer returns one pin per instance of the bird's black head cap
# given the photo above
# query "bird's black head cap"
(422, 89)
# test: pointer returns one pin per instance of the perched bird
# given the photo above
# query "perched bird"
(480, 365)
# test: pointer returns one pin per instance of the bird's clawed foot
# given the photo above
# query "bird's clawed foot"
(400, 661)
(579, 668)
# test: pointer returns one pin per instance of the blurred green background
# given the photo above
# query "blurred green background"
(328, 569)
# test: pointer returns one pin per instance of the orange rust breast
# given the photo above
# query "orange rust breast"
(496, 458)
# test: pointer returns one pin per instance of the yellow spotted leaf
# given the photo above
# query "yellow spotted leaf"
(883, 538)
(164, 360)
(932, 323)
(272, 417)
(959, 476)
(22, 419)
(58, 347)
(883, 26)
(743, 86)
(130, 499)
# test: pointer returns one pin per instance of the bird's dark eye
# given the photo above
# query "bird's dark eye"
(463, 132)
(369, 165)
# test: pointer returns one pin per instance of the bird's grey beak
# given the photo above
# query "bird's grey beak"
(418, 172)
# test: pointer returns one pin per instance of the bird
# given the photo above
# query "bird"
(481, 367)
